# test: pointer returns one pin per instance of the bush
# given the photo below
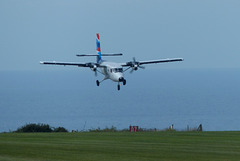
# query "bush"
(60, 129)
(35, 128)
(112, 129)
(29, 128)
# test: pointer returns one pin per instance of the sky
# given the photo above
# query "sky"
(205, 33)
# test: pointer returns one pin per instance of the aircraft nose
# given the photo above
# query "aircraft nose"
(120, 79)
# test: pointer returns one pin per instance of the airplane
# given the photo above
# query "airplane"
(111, 70)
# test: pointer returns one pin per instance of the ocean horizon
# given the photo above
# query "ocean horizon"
(152, 98)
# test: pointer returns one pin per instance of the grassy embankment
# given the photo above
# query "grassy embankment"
(109, 146)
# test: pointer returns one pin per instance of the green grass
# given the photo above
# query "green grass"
(124, 146)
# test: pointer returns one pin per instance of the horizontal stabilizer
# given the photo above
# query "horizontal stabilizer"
(119, 54)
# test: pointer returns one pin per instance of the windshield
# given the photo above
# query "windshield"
(116, 70)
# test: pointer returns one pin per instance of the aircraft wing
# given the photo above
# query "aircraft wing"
(160, 61)
(131, 63)
(66, 63)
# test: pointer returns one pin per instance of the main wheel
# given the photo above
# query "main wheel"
(118, 87)
(98, 83)
(124, 82)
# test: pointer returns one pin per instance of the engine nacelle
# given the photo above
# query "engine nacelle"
(135, 67)
(94, 68)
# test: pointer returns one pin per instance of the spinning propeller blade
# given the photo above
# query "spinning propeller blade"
(135, 65)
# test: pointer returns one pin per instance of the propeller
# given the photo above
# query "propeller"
(135, 65)
(93, 67)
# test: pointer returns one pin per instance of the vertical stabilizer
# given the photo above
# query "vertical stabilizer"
(99, 57)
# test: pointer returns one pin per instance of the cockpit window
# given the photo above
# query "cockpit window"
(116, 70)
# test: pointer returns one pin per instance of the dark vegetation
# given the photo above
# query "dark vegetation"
(112, 129)
(33, 128)
(28, 128)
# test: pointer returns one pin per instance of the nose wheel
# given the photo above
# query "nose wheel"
(98, 83)
(124, 83)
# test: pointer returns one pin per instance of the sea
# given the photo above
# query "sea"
(152, 98)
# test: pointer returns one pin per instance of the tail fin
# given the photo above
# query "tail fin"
(99, 57)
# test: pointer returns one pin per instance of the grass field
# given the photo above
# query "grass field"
(124, 146)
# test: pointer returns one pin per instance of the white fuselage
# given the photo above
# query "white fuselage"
(113, 71)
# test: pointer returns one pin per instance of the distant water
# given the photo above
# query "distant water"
(152, 98)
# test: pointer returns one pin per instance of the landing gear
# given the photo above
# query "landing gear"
(124, 82)
(118, 86)
(98, 83)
